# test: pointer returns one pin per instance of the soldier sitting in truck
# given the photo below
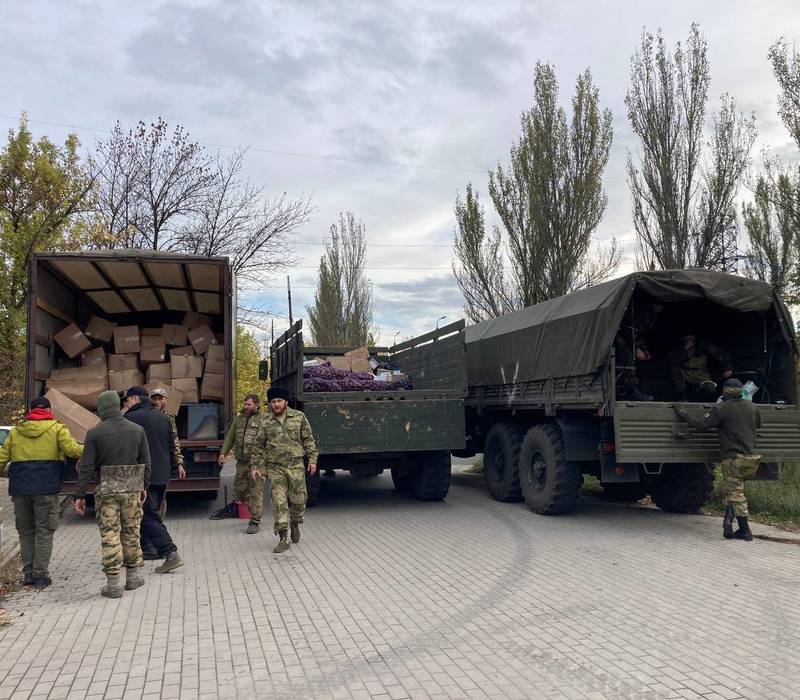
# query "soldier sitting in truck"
(630, 345)
(690, 371)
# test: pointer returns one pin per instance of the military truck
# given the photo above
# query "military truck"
(410, 432)
(546, 402)
(142, 288)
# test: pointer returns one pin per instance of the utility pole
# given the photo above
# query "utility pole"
(289, 289)
(272, 333)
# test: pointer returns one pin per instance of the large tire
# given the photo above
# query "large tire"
(550, 484)
(625, 493)
(312, 488)
(683, 488)
(501, 462)
(431, 481)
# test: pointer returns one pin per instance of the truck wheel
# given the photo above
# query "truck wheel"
(683, 488)
(402, 478)
(625, 493)
(501, 462)
(550, 484)
(312, 488)
(431, 482)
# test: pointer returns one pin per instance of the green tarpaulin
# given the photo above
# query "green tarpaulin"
(573, 335)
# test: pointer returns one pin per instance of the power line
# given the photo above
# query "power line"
(272, 151)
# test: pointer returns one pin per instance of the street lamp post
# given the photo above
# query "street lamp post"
(394, 340)
(441, 318)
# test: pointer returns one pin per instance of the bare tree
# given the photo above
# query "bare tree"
(786, 66)
(343, 303)
(684, 211)
(550, 201)
(235, 219)
(152, 181)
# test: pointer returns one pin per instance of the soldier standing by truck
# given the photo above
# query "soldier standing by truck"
(116, 456)
(247, 490)
(283, 442)
(736, 421)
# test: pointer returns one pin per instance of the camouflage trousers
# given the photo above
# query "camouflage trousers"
(248, 491)
(119, 516)
(735, 471)
(287, 493)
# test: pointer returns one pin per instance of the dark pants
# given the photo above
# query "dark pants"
(36, 519)
(153, 530)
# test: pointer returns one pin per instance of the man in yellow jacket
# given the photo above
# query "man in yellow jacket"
(31, 458)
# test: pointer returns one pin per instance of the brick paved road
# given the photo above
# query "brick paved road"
(390, 598)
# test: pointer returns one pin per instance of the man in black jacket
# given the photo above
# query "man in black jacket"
(163, 459)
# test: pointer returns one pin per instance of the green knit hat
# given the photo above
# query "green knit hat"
(107, 404)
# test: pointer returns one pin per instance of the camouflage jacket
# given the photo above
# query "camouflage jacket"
(240, 436)
(284, 443)
(178, 453)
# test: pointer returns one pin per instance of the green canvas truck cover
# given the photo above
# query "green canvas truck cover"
(572, 335)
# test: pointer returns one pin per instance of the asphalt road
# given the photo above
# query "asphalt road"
(386, 597)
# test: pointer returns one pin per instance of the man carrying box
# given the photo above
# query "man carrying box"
(246, 489)
(284, 440)
(31, 457)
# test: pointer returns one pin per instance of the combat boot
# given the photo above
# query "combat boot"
(113, 587)
(295, 532)
(172, 562)
(727, 523)
(228, 511)
(283, 544)
(133, 578)
(252, 528)
(743, 533)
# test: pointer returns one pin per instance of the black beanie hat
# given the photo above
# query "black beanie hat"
(278, 392)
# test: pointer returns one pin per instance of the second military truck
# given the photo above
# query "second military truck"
(547, 402)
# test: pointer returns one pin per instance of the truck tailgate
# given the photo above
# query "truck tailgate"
(353, 427)
(652, 432)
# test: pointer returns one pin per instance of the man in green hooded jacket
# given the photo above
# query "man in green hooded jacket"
(31, 458)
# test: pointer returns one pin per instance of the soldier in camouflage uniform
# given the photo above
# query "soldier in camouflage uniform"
(116, 456)
(246, 489)
(283, 442)
(736, 421)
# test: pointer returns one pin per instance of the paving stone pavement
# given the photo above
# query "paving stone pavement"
(387, 597)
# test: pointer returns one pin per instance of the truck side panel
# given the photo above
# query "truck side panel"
(652, 433)
(360, 427)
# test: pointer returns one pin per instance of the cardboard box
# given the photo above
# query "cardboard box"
(159, 371)
(175, 334)
(78, 374)
(123, 380)
(192, 319)
(359, 360)
(95, 356)
(215, 360)
(126, 339)
(72, 341)
(182, 350)
(78, 420)
(152, 341)
(339, 362)
(152, 333)
(149, 356)
(201, 338)
(212, 387)
(118, 363)
(188, 387)
(174, 397)
(202, 422)
(100, 329)
(81, 391)
(184, 366)
(65, 362)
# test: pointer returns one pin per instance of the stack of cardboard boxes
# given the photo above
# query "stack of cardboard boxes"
(184, 358)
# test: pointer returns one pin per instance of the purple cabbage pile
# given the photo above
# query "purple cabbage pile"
(324, 378)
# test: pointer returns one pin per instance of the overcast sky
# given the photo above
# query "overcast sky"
(429, 93)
